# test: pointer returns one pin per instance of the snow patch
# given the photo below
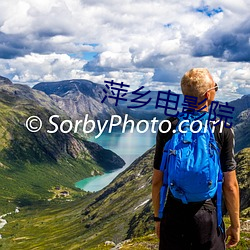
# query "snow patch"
(3, 222)
(142, 204)
(143, 186)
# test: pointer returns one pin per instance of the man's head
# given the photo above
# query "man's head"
(198, 82)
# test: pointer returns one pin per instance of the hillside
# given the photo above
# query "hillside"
(243, 175)
(123, 210)
(32, 163)
(106, 215)
(242, 130)
(35, 168)
(4, 80)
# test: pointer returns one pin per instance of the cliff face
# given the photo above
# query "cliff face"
(79, 97)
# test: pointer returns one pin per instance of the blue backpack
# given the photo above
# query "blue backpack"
(191, 163)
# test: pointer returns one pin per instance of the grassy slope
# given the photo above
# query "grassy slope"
(106, 215)
(56, 225)
(104, 218)
(28, 168)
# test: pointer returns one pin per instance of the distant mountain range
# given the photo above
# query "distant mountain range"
(241, 122)
(4, 80)
(79, 97)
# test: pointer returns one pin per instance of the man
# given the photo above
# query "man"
(194, 225)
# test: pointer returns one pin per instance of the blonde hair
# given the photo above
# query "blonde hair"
(196, 82)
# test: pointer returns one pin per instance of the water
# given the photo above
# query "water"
(128, 146)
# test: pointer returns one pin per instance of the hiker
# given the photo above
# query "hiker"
(196, 225)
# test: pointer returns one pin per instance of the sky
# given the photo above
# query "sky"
(149, 43)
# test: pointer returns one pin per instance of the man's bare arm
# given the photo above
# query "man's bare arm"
(156, 187)
(232, 200)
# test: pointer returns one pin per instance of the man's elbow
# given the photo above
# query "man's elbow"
(231, 187)
(156, 183)
(230, 184)
(157, 178)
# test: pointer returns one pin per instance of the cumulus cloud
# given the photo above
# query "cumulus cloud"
(231, 45)
(34, 68)
(141, 42)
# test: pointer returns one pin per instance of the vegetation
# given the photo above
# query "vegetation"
(243, 175)
(116, 213)
(36, 168)
(32, 163)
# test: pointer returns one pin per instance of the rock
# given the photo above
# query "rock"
(109, 243)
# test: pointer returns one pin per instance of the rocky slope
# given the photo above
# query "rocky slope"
(126, 206)
(80, 97)
(243, 175)
(4, 80)
(241, 122)
(240, 105)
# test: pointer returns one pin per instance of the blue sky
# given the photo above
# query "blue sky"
(142, 43)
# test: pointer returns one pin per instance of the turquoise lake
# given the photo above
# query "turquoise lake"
(129, 146)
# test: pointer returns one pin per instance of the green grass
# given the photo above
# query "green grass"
(31, 183)
(51, 225)
(244, 243)
(31, 164)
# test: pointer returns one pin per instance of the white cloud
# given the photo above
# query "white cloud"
(142, 42)
(35, 68)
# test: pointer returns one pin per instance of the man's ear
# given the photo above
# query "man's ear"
(207, 95)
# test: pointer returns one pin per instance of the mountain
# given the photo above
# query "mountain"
(240, 105)
(4, 80)
(80, 97)
(241, 122)
(154, 104)
(32, 163)
(125, 207)
(106, 215)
